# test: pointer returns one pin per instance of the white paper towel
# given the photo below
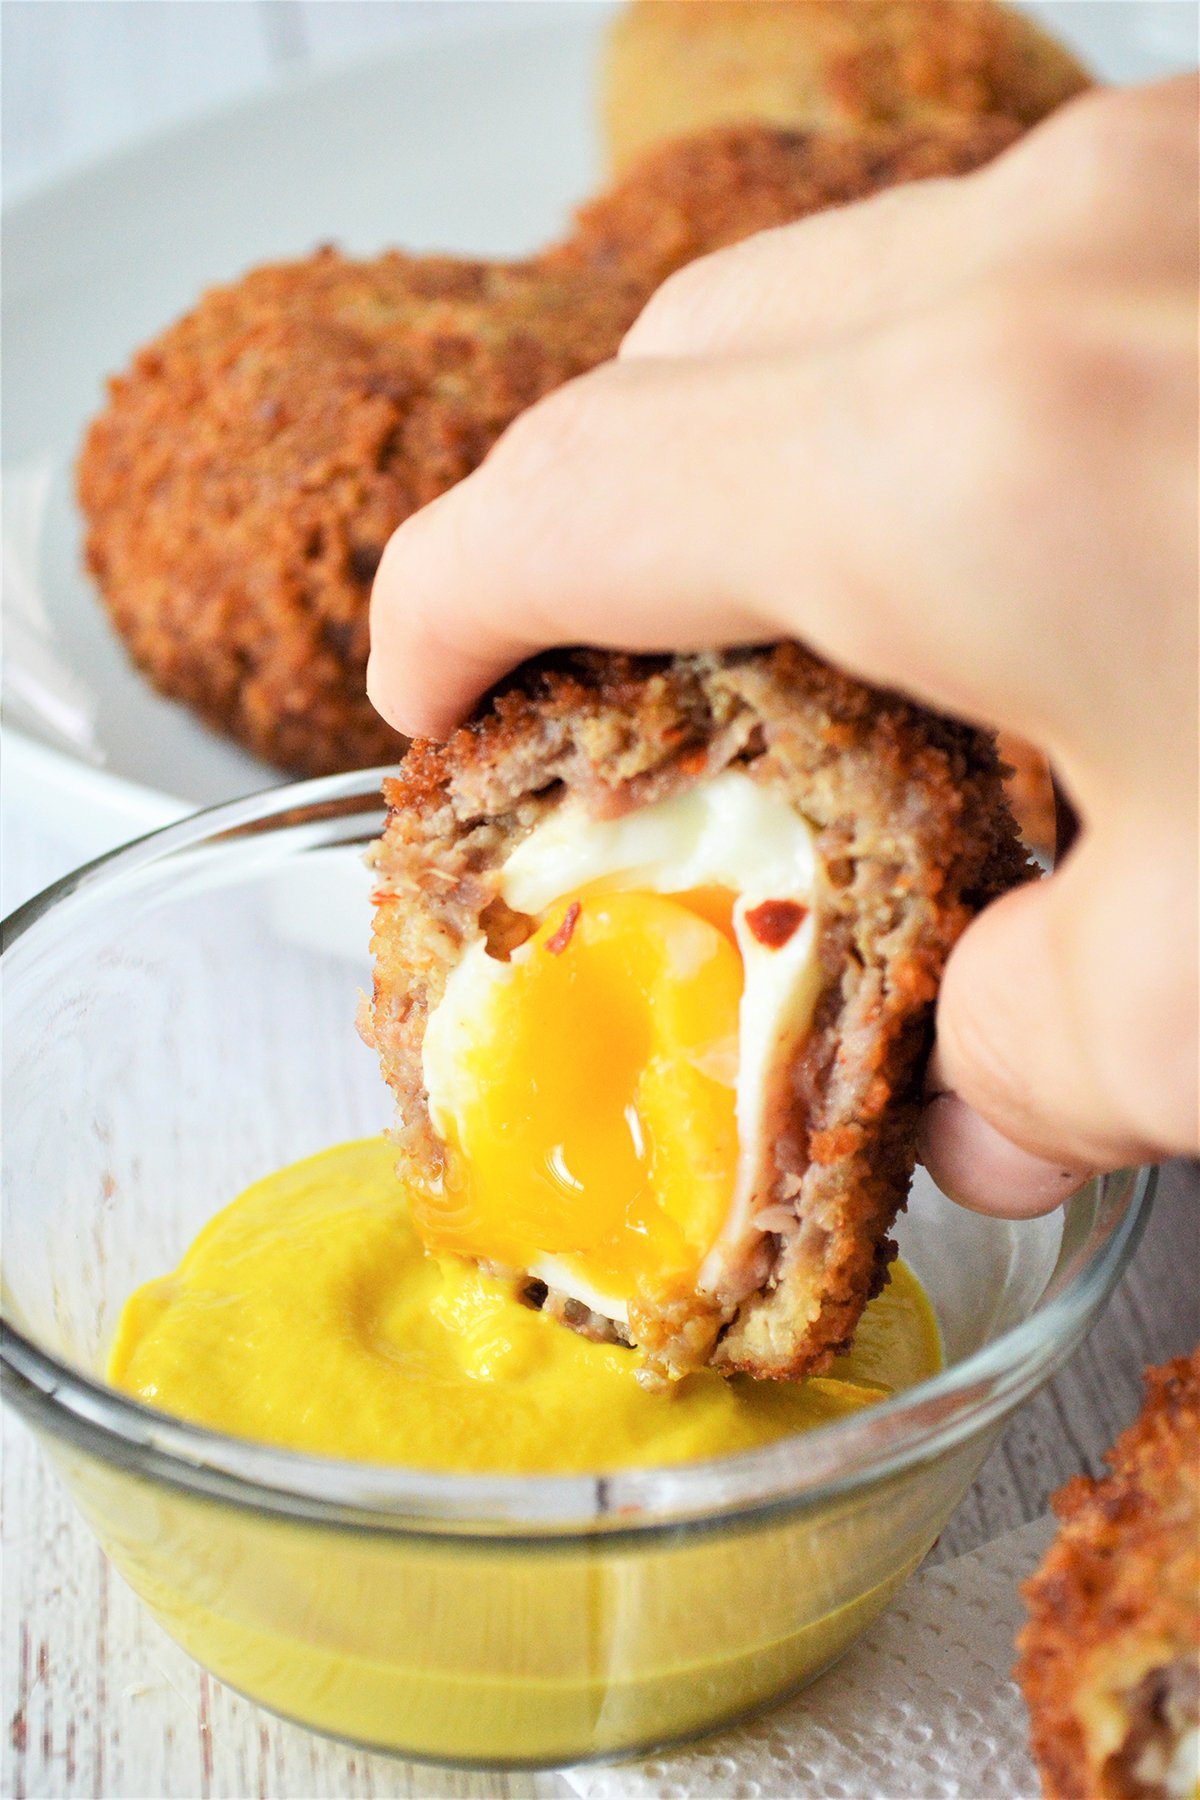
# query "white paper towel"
(922, 1708)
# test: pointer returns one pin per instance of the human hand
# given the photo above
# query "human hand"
(947, 437)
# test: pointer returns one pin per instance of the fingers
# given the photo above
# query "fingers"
(982, 1170)
(658, 505)
(853, 486)
(1067, 1030)
(433, 656)
(799, 286)
(632, 510)
(1088, 191)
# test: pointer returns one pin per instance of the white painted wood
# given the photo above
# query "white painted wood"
(98, 1701)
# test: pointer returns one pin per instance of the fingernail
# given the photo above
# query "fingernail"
(374, 685)
(975, 1165)
(378, 695)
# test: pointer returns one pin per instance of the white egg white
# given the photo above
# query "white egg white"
(728, 832)
(1180, 1777)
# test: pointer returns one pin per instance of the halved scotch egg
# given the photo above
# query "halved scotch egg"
(656, 945)
(605, 1093)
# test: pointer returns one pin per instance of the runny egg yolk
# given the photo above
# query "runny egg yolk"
(596, 1122)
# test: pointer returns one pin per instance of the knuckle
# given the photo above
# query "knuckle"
(714, 302)
(1042, 378)
(1049, 406)
(667, 321)
(1110, 148)
(534, 492)
(1006, 355)
(551, 432)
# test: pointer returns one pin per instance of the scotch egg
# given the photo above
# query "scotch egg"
(607, 1090)
(656, 946)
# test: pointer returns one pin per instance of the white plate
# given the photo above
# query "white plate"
(478, 140)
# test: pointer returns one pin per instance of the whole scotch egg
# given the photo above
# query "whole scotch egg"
(656, 948)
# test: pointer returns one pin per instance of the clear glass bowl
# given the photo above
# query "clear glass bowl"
(179, 1020)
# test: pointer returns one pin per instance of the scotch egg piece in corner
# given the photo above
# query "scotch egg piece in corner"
(656, 945)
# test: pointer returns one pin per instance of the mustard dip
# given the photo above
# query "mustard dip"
(308, 1315)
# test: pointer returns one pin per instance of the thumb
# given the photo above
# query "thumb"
(1065, 1035)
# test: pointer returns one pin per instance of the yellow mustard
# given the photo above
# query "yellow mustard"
(308, 1315)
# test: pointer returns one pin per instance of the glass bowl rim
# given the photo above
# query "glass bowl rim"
(789, 1475)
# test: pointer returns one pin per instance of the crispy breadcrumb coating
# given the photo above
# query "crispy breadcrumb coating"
(250, 467)
(697, 194)
(242, 481)
(913, 836)
(1110, 1658)
(677, 66)
(1030, 792)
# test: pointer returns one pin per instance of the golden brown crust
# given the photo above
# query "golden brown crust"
(913, 836)
(248, 469)
(1110, 1657)
(1030, 793)
(678, 66)
(697, 194)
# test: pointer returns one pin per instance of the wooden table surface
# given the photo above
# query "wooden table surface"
(98, 1702)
